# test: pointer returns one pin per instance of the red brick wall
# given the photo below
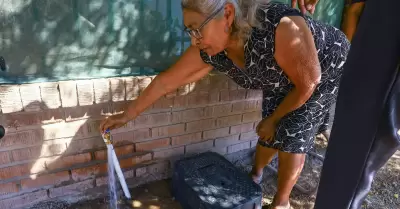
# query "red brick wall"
(53, 146)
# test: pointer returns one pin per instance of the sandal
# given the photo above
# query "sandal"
(255, 178)
(281, 207)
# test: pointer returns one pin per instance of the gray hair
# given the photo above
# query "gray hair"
(245, 12)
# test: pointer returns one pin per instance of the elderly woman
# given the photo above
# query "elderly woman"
(296, 62)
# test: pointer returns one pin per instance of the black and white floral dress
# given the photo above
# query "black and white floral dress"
(296, 131)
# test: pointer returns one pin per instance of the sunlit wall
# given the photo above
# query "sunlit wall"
(52, 40)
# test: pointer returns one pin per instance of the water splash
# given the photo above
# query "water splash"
(112, 190)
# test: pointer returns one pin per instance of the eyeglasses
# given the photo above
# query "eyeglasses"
(196, 32)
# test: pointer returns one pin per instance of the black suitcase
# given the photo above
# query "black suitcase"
(209, 181)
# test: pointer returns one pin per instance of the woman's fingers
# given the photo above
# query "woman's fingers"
(301, 5)
(102, 125)
(310, 5)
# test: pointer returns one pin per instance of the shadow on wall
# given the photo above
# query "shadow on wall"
(76, 39)
(53, 145)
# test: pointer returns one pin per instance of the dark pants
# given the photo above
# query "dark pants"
(364, 133)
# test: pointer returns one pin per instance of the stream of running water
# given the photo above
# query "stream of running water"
(112, 190)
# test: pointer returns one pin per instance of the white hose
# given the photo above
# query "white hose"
(120, 174)
(107, 139)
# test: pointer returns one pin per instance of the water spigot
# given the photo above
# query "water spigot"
(107, 137)
(2, 132)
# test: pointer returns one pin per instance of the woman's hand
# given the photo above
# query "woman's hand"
(305, 5)
(113, 122)
(266, 129)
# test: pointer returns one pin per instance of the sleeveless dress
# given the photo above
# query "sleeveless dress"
(296, 131)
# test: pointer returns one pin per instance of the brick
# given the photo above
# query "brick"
(219, 82)
(153, 144)
(233, 85)
(233, 95)
(169, 153)
(214, 97)
(187, 139)
(212, 134)
(23, 119)
(45, 180)
(251, 117)
(92, 128)
(68, 93)
(152, 120)
(199, 147)
(144, 82)
(229, 121)
(72, 189)
(119, 107)
(188, 115)
(124, 138)
(238, 107)
(67, 161)
(25, 200)
(101, 88)
(135, 160)
(84, 145)
(176, 117)
(253, 143)
(117, 89)
(36, 152)
(242, 128)
(119, 151)
(23, 138)
(30, 97)
(224, 96)
(219, 110)
(104, 180)
(259, 105)
(251, 105)
(220, 150)
(4, 158)
(158, 168)
(141, 135)
(17, 170)
(198, 99)
(252, 135)
(8, 188)
(131, 88)
(167, 131)
(185, 89)
(85, 92)
(200, 125)
(10, 99)
(171, 94)
(238, 147)
(96, 111)
(203, 85)
(163, 104)
(181, 102)
(50, 95)
(81, 174)
(76, 129)
(254, 94)
(195, 114)
(227, 141)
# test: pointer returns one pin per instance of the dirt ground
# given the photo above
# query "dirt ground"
(384, 193)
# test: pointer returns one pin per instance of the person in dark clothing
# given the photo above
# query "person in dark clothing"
(352, 16)
(365, 133)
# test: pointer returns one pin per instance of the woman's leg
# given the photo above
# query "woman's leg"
(289, 169)
(264, 156)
